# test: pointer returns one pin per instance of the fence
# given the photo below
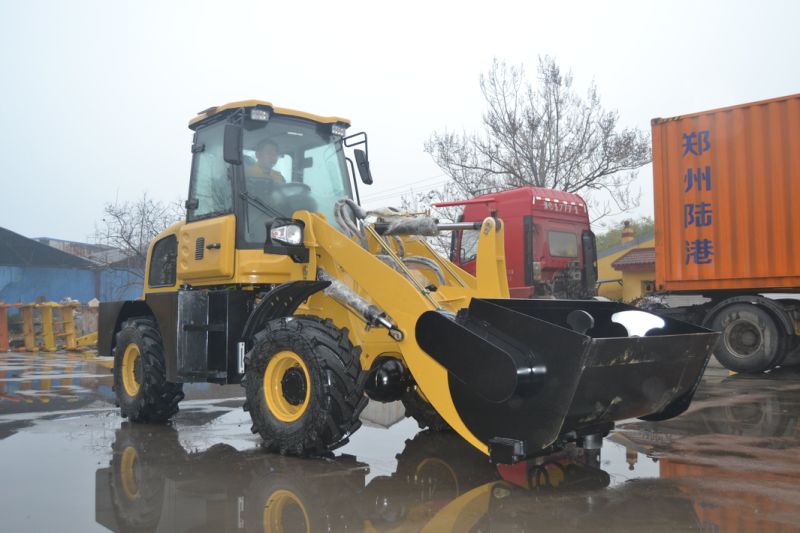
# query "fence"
(51, 332)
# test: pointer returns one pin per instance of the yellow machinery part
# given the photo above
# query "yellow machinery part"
(279, 364)
(364, 273)
(129, 359)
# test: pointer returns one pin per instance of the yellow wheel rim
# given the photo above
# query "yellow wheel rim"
(128, 475)
(129, 360)
(280, 513)
(432, 463)
(287, 387)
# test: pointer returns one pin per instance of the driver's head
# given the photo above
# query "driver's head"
(267, 154)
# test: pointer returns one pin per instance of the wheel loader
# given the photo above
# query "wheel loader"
(279, 280)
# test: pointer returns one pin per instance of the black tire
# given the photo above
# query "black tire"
(792, 358)
(141, 456)
(423, 412)
(333, 389)
(297, 495)
(750, 342)
(156, 399)
(444, 462)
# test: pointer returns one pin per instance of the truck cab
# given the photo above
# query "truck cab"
(550, 250)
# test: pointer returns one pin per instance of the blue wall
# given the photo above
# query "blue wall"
(119, 285)
(26, 284)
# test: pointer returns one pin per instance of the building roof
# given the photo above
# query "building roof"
(20, 251)
(81, 249)
(636, 259)
(637, 240)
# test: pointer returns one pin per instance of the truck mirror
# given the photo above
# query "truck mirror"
(363, 166)
(232, 144)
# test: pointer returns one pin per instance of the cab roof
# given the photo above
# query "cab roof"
(538, 195)
(212, 111)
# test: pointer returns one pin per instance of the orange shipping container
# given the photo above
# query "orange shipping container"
(727, 197)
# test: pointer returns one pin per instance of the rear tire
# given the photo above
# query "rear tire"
(750, 342)
(304, 386)
(140, 377)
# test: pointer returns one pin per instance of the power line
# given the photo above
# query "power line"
(403, 186)
(400, 192)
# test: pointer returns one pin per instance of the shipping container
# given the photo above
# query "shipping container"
(726, 186)
(727, 197)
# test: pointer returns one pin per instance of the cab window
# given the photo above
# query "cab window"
(290, 165)
(469, 246)
(163, 261)
(562, 244)
(211, 185)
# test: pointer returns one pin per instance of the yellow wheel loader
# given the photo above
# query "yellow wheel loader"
(279, 280)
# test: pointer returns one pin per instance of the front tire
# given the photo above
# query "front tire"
(304, 386)
(140, 378)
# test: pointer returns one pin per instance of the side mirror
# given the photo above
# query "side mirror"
(232, 144)
(363, 166)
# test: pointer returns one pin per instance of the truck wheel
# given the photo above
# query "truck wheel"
(140, 379)
(423, 412)
(304, 386)
(750, 340)
(792, 357)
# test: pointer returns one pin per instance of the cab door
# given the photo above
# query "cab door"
(207, 242)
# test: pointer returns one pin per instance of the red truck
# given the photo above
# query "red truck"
(558, 256)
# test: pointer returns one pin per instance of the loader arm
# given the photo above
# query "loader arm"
(391, 291)
(512, 377)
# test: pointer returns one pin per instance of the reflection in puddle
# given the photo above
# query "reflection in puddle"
(730, 462)
(439, 484)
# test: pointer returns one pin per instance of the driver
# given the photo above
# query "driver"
(266, 157)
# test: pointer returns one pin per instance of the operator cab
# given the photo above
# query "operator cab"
(263, 163)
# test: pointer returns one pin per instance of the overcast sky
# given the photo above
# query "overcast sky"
(97, 95)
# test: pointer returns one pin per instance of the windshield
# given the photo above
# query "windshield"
(289, 165)
(563, 244)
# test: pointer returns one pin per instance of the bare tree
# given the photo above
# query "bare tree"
(542, 135)
(127, 227)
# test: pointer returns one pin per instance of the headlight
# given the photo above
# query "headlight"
(536, 271)
(290, 234)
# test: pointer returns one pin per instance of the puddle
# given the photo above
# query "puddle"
(728, 463)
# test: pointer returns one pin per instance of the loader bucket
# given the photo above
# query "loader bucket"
(526, 374)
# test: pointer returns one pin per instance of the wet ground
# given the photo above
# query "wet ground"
(70, 463)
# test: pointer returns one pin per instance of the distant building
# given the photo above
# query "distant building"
(627, 271)
(638, 267)
(31, 270)
(81, 249)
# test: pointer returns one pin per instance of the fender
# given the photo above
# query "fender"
(771, 306)
(109, 318)
(280, 302)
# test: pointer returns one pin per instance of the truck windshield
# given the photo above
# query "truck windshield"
(290, 165)
(562, 244)
(469, 246)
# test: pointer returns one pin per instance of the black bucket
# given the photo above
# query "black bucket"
(533, 372)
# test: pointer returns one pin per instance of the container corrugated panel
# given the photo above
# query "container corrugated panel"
(727, 197)
(741, 499)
